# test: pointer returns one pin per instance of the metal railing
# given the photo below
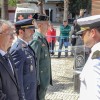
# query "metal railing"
(63, 44)
(57, 40)
(80, 55)
(65, 41)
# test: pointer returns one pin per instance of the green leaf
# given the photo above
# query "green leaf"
(12, 2)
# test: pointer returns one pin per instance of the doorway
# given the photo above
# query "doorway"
(47, 13)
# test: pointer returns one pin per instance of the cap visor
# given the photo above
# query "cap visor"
(79, 32)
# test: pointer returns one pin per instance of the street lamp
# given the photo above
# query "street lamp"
(49, 13)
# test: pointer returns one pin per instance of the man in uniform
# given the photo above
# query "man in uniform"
(24, 58)
(90, 75)
(9, 88)
(41, 48)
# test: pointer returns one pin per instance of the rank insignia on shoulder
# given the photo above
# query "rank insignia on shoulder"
(23, 45)
(35, 37)
(96, 54)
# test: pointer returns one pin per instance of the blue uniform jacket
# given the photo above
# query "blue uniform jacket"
(24, 58)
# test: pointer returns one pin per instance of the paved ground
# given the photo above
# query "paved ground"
(62, 73)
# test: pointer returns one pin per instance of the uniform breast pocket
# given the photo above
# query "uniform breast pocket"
(29, 63)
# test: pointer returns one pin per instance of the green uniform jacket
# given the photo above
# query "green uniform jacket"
(41, 48)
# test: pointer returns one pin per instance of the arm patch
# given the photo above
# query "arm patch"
(96, 54)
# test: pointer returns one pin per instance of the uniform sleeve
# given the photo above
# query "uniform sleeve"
(19, 62)
(96, 73)
(93, 84)
(37, 48)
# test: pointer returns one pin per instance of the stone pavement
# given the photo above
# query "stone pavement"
(62, 73)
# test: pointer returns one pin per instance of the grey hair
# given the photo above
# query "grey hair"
(8, 23)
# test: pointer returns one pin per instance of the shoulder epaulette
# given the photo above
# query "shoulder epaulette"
(96, 54)
(36, 38)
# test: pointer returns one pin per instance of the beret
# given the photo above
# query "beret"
(88, 23)
(25, 23)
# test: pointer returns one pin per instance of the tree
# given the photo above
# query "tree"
(65, 9)
(41, 4)
(12, 2)
(4, 9)
(76, 5)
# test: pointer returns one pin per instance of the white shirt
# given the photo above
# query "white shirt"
(90, 77)
(23, 40)
(2, 52)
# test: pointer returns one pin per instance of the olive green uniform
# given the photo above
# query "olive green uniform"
(44, 77)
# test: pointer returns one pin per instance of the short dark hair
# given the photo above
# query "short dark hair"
(17, 30)
(65, 21)
(98, 29)
(40, 17)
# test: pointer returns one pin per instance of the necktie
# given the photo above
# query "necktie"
(6, 57)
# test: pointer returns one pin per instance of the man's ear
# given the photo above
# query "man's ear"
(39, 25)
(93, 33)
(20, 31)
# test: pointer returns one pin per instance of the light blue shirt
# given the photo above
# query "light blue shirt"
(2, 52)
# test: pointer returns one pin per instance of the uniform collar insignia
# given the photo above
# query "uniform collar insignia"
(23, 45)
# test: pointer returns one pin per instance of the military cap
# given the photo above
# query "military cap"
(40, 17)
(25, 23)
(88, 23)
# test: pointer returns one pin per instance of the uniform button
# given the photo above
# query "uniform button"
(27, 88)
(45, 54)
(41, 71)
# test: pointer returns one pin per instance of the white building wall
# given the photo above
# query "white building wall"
(56, 15)
(53, 8)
